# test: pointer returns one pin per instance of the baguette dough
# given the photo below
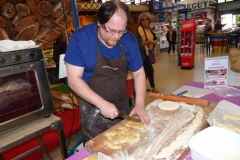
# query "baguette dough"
(137, 125)
(168, 105)
(231, 117)
(229, 127)
(111, 145)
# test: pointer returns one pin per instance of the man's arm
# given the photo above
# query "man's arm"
(140, 91)
(80, 87)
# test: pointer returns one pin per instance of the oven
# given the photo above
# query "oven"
(24, 88)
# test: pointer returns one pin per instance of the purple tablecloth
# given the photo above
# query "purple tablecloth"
(236, 100)
(213, 96)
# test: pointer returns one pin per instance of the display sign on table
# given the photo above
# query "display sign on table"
(216, 72)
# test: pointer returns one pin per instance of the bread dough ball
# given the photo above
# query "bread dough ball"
(168, 105)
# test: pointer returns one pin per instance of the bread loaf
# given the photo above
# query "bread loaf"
(8, 11)
(57, 10)
(14, 97)
(25, 22)
(3, 34)
(65, 97)
(49, 22)
(10, 30)
(45, 8)
(2, 3)
(34, 8)
(17, 19)
(22, 9)
(3, 22)
(29, 32)
(41, 33)
(14, 2)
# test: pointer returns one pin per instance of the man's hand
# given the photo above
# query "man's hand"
(108, 110)
(142, 113)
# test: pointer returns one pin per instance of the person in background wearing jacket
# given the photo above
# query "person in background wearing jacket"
(218, 25)
(98, 58)
(171, 38)
(146, 41)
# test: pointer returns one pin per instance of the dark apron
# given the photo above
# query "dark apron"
(110, 84)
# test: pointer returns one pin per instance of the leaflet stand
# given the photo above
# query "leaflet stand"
(31, 130)
(187, 44)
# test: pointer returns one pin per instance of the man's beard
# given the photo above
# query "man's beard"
(112, 43)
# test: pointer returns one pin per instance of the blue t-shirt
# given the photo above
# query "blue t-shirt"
(81, 50)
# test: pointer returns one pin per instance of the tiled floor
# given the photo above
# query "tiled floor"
(169, 77)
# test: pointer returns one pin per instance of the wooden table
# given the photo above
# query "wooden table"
(185, 156)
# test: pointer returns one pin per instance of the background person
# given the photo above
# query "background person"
(146, 42)
(97, 59)
(171, 38)
(218, 25)
(208, 26)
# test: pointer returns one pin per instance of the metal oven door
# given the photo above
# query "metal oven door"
(24, 94)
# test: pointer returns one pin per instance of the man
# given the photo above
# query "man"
(97, 60)
(218, 25)
(171, 38)
(208, 26)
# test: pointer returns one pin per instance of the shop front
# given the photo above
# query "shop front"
(201, 10)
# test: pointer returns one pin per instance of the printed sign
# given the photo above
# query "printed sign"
(201, 15)
(216, 72)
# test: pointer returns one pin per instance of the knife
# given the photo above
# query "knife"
(129, 118)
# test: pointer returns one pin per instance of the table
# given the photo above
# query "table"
(219, 42)
(84, 153)
(34, 129)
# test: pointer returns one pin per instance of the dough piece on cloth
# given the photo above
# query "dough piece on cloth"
(91, 157)
(137, 125)
(168, 105)
(231, 117)
(111, 145)
(230, 127)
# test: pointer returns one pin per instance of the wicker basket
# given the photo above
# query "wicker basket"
(234, 55)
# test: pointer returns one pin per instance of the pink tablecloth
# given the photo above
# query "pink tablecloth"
(84, 153)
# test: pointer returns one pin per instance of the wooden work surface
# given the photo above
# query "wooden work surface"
(159, 119)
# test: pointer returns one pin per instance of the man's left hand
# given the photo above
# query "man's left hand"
(142, 113)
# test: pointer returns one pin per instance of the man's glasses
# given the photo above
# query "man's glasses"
(143, 19)
(112, 31)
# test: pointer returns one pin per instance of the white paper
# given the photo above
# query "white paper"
(193, 91)
(9, 45)
(62, 67)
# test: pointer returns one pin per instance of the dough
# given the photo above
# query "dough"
(121, 135)
(111, 145)
(231, 117)
(91, 157)
(137, 125)
(168, 105)
(183, 138)
(229, 127)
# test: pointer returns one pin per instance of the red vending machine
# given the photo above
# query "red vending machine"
(187, 43)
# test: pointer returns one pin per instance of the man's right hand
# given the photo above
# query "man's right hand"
(108, 110)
